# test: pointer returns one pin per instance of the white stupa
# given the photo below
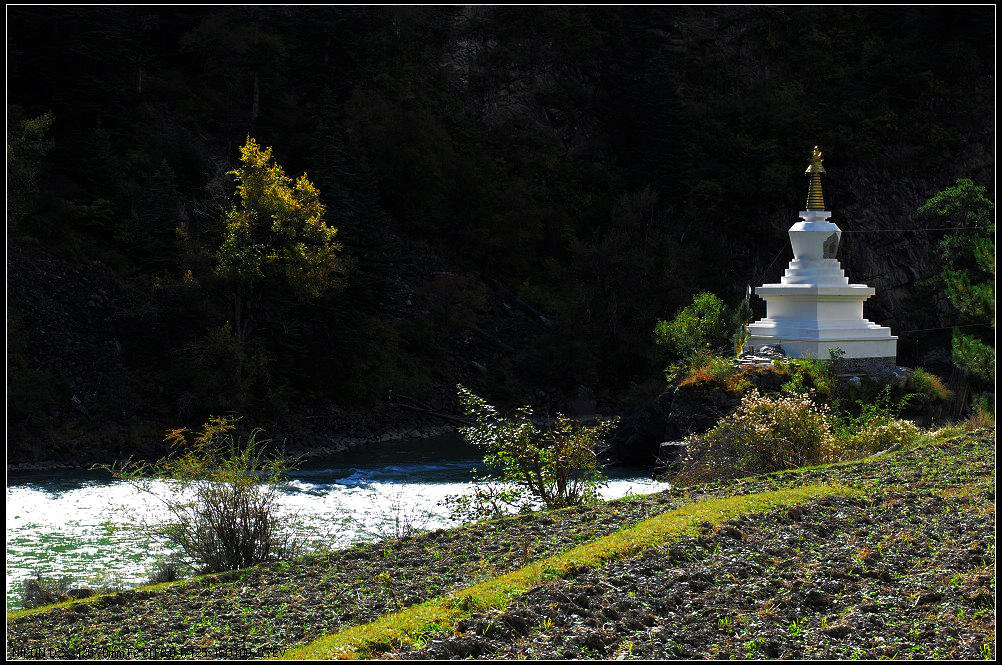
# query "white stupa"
(814, 308)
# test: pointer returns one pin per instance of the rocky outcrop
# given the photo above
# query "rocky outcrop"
(670, 416)
(689, 408)
(639, 435)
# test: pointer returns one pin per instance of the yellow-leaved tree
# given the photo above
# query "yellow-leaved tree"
(276, 231)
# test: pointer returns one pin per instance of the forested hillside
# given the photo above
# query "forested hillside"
(519, 194)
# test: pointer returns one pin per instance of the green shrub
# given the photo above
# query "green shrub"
(530, 466)
(705, 329)
(277, 233)
(869, 413)
(702, 327)
(702, 323)
(974, 356)
(28, 142)
(814, 374)
(764, 434)
(967, 275)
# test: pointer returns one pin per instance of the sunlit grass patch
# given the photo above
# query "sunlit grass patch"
(140, 590)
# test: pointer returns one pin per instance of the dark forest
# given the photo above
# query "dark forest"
(519, 194)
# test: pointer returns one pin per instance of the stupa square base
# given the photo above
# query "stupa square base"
(818, 348)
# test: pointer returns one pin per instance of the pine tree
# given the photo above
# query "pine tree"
(968, 272)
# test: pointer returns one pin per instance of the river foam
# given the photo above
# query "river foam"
(96, 531)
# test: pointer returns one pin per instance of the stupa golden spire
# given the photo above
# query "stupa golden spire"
(815, 199)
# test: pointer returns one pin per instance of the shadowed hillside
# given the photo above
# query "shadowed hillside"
(520, 194)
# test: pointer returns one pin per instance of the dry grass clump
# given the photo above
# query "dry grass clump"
(982, 413)
(708, 370)
(892, 434)
(764, 434)
(769, 433)
(705, 367)
(929, 385)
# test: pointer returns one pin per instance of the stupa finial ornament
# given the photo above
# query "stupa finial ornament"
(815, 199)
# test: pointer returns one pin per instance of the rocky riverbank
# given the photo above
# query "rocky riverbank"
(312, 445)
(905, 569)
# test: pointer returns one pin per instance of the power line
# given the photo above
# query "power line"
(781, 250)
(966, 325)
(927, 228)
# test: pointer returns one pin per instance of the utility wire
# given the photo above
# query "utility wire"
(966, 325)
(925, 228)
(781, 250)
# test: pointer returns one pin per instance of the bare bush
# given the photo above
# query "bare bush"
(38, 591)
(401, 519)
(167, 571)
(223, 507)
